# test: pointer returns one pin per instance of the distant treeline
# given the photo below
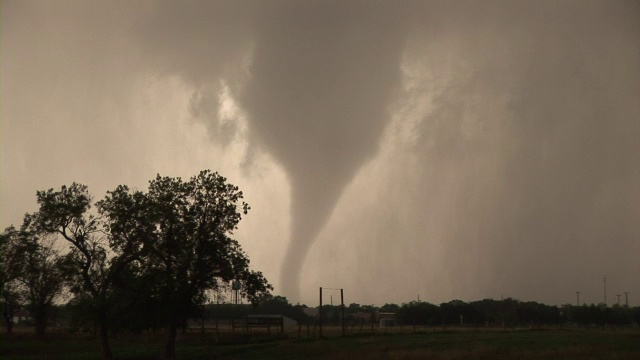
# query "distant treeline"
(508, 312)
(489, 312)
(493, 313)
(511, 312)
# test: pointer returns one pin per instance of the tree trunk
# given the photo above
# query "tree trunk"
(9, 326)
(40, 319)
(8, 320)
(103, 336)
(170, 344)
(40, 326)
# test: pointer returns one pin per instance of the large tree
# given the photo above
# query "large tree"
(192, 251)
(96, 258)
(172, 243)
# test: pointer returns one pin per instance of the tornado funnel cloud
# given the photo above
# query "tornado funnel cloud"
(321, 80)
(310, 210)
(301, 241)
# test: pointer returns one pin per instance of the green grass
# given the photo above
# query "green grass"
(454, 344)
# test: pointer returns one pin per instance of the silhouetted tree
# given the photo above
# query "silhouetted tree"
(185, 227)
(161, 251)
(390, 308)
(280, 305)
(31, 275)
(40, 274)
(419, 313)
(10, 265)
(96, 257)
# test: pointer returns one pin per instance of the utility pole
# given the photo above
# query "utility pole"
(344, 332)
(618, 295)
(320, 314)
(626, 299)
(605, 291)
(577, 298)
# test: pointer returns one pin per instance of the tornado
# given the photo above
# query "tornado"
(321, 79)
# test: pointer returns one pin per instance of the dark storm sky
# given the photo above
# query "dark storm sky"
(442, 148)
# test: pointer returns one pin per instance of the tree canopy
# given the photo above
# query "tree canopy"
(163, 250)
(186, 227)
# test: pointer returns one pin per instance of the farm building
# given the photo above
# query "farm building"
(276, 322)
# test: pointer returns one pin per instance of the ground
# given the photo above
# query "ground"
(427, 343)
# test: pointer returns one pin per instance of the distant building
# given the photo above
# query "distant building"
(386, 319)
(276, 322)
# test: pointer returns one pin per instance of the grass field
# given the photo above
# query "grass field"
(430, 344)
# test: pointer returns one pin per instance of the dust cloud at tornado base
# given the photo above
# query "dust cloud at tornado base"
(445, 149)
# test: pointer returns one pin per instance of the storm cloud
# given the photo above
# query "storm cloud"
(448, 149)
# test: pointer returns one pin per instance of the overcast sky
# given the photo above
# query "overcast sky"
(441, 149)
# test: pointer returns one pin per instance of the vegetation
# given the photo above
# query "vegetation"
(9, 273)
(488, 313)
(510, 312)
(150, 257)
(31, 275)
